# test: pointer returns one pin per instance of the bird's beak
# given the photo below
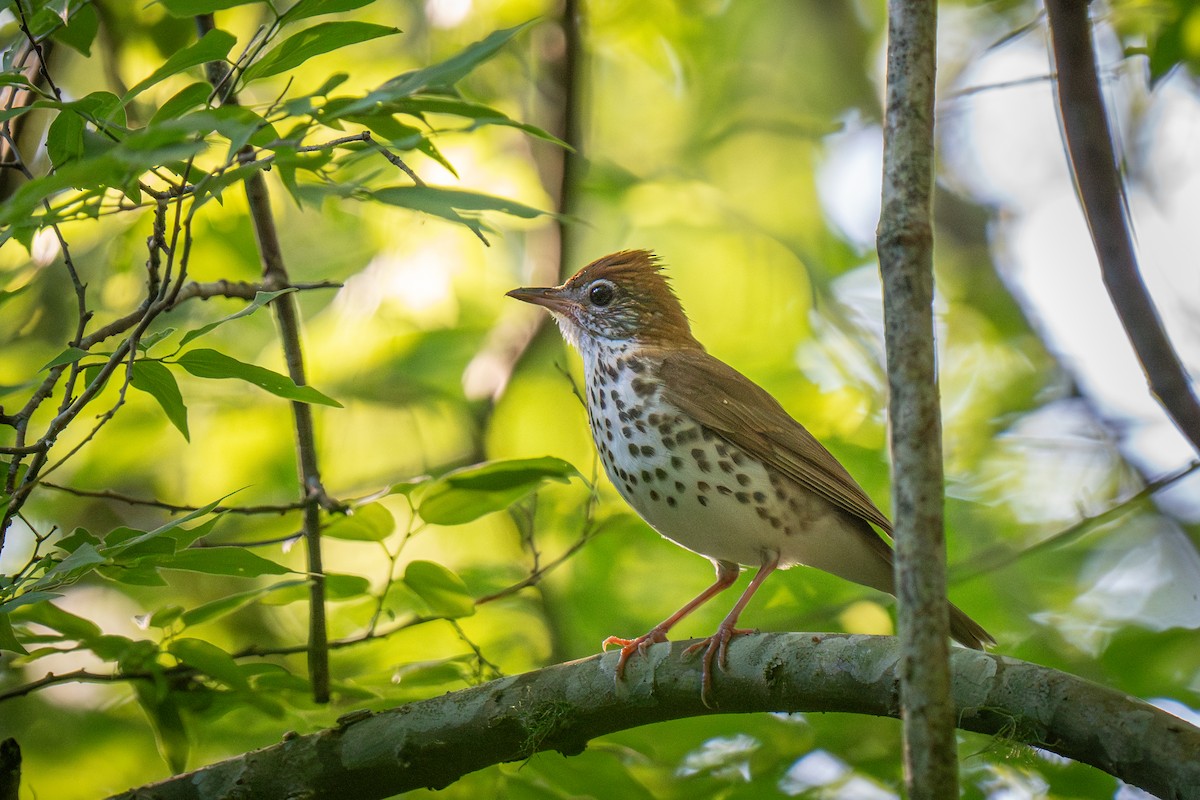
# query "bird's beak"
(552, 298)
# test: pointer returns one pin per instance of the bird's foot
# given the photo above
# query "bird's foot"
(715, 646)
(631, 646)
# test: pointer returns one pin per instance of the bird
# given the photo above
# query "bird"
(708, 458)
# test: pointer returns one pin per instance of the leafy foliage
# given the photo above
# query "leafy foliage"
(463, 537)
(152, 157)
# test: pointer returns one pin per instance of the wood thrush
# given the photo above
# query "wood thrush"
(707, 457)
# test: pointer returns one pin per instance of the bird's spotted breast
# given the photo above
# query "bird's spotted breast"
(691, 485)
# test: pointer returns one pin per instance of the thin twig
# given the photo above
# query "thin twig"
(174, 508)
(392, 158)
(51, 679)
(37, 46)
(551, 248)
(990, 562)
(275, 275)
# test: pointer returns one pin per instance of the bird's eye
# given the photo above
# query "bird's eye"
(601, 294)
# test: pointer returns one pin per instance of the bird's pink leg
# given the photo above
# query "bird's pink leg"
(727, 573)
(718, 644)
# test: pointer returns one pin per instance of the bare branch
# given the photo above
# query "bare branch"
(275, 276)
(989, 561)
(37, 47)
(1102, 195)
(174, 508)
(550, 249)
(393, 159)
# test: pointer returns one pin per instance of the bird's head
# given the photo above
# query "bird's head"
(623, 297)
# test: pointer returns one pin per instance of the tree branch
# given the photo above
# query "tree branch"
(174, 508)
(275, 276)
(905, 244)
(1089, 144)
(560, 170)
(10, 769)
(434, 742)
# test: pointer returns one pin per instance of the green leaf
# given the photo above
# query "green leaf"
(190, 8)
(433, 198)
(441, 76)
(19, 80)
(205, 363)
(121, 543)
(8, 637)
(369, 523)
(236, 561)
(442, 590)
(80, 30)
(213, 46)
(153, 378)
(315, 8)
(211, 186)
(454, 205)
(215, 609)
(174, 744)
(468, 493)
(187, 98)
(68, 356)
(322, 38)
(409, 486)
(34, 599)
(480, 114)
(72, 540)
(140, 575)
(162, 618)
(64, 139)
(260, 300)
(69, 625)
(81, 561)
(345, 587)
(103, 109)
(184, 537)
(120, 535)
(147, 548)
(146, 342)
(12, 113)
(453, 69)
(209, 659)
(337, 587)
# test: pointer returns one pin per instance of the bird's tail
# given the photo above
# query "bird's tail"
(967, 631)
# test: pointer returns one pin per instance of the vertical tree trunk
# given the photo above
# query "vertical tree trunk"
(905, 244)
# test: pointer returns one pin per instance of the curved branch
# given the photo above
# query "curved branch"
(434, 742)
(1101, 194)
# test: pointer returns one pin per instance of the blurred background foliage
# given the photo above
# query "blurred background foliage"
(738, 140)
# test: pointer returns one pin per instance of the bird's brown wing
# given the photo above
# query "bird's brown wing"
(740, 411)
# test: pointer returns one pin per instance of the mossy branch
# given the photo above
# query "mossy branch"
(434, 742)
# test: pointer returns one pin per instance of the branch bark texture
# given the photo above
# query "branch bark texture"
(434, 742)
(905, 245)
(1089, 143)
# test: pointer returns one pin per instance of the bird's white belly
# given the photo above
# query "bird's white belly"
(697, 489)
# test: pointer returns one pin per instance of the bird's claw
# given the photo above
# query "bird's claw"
(715, 646)
(631, 646)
